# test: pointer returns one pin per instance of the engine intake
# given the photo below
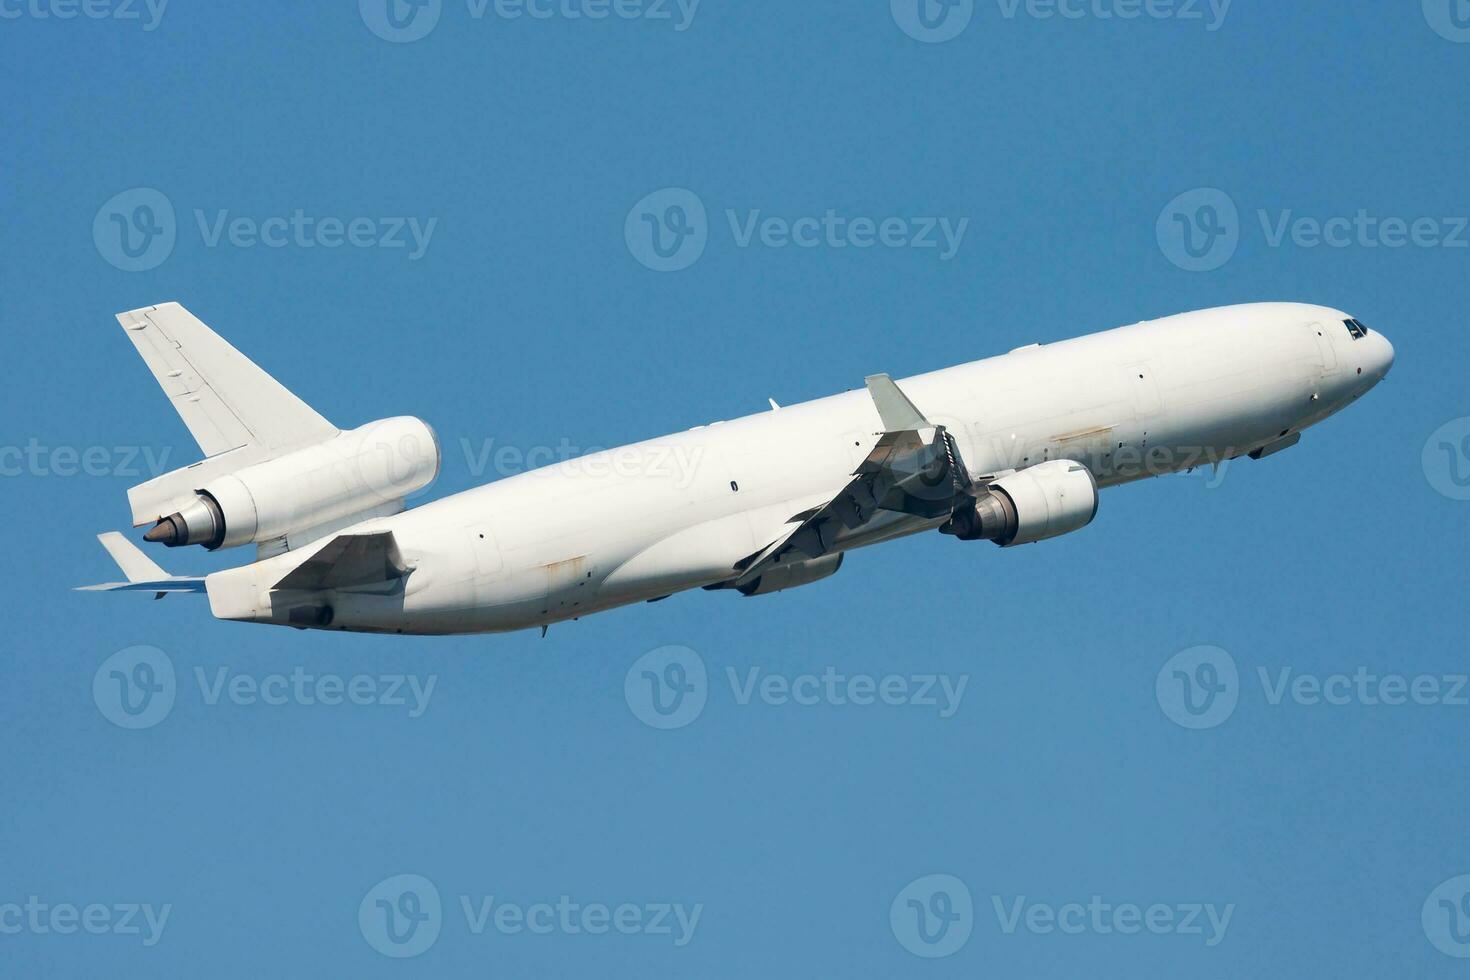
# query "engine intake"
(1043, 501)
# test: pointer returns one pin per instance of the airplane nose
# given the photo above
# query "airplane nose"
(1385, 355)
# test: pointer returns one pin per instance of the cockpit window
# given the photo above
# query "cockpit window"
(1356, 328)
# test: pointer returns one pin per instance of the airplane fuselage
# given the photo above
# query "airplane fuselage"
(679, 512)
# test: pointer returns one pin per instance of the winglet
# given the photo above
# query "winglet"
(894, 408)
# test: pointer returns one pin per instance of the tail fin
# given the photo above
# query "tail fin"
(237, 413)
(224, 398)
(143, 574)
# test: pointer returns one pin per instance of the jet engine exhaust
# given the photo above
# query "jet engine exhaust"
(202, 522)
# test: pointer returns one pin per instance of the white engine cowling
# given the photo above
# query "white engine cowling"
(1040, 502)
(357, 472)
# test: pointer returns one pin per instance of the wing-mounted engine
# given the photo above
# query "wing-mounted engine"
(360, 473)
(915, 472)
(1040, 502)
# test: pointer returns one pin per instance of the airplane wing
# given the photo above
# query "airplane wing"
(224, 398)
(914, 469)
(347, 561)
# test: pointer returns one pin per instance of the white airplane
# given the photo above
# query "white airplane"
(1009, 449)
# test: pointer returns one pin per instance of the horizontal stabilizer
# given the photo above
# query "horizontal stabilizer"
(142, 572)
(162, 587)
(137, 566)
(348, 561)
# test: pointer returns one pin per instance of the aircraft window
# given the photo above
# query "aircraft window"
(1356, 328)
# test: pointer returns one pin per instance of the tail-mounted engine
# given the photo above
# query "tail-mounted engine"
(1043, 501)
(363, 472)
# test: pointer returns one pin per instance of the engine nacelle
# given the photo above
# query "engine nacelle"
(790, 576)
(1040, 502)
(356, 472)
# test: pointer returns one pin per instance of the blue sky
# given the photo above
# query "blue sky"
(433, 213)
